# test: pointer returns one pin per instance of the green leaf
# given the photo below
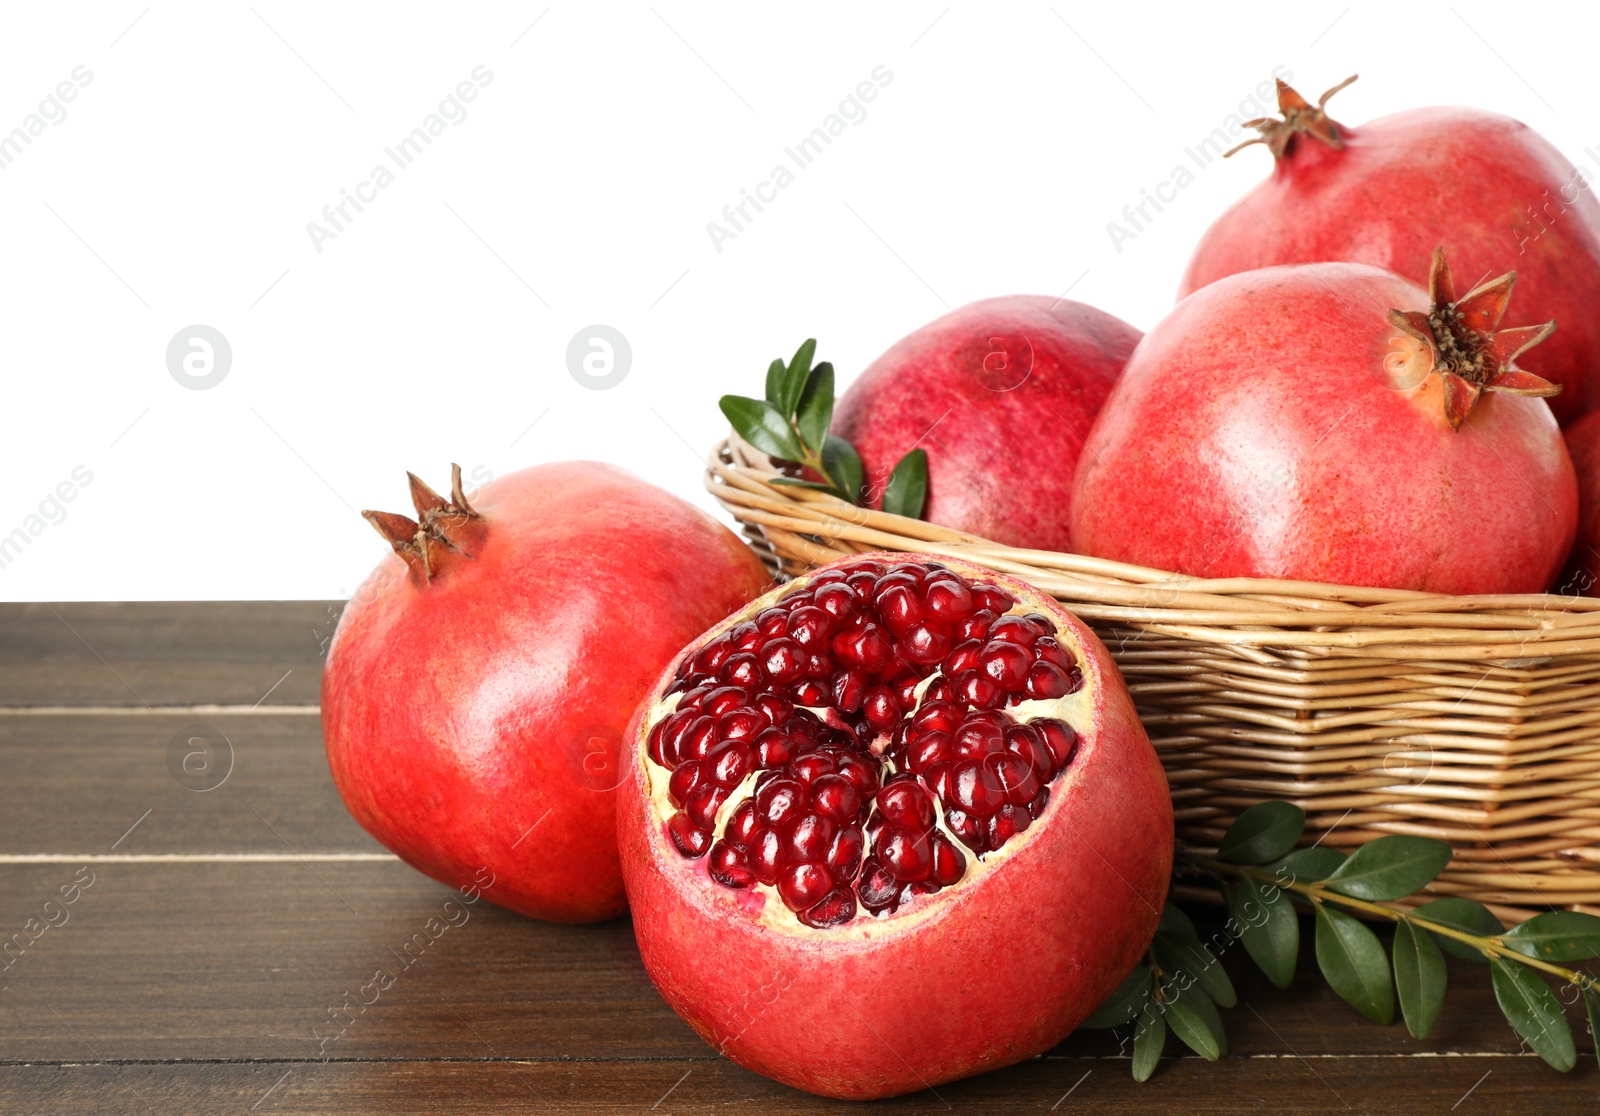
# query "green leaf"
(1534, 1013)
(1262, 833)
(1186, 954)
(1149, 1037)
(1591, 1003)
(1194, 1019)
(907, 489)
(800, 370)
(1352, 959)
(1311, 865)
(1419, 978)
(759, 423)
(1175, 920)
(1557, 936)
(843, 464)
(1269, 929)
(1465, 915)
(815, 411)
(1123, 1004)
(780, 393)
(1390, 868)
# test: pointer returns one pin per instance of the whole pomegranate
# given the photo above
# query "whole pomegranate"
(1335, 423)
(1583, 567)
(1001, 393)
(479, 682)
(1488, 188)
(893, 824)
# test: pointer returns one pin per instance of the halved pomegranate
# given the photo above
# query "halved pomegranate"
(893, 824)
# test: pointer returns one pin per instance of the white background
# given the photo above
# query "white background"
(178, 189)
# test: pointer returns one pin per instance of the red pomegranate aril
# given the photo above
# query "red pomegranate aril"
(849, 691)
(992, 597)
(1040, 801)
(880, 709)
(741, 825)
(974, 789)
(703, 803)
(783, 660)
(803, 885)
(812, 766)
(811, 693)
(977, 738)
(723, 699)
(1027, 742)
(744, 671)
(904, 803)
(948, 600)
(745, 636)
(937, 716)
(835, 908)
(774, 747)
(741, 724)
(780, 800)
(899, 607)
(810, 627)
(928, 749)
(764, 854)
(844, 854)
(905, 852)
(808, 838)
(837, 602)
(689, 841)
(937, 776)
(697, 741)
(940, 690)
(713, 655)
(868, 649)
(836, 797)
(976, 626)
(905, 691)
(654, 743)
(970, 830)
(1007, 822)
(877, 887)
(1005, 663)
(1013, 629)
(924, 644)
(685, 778)
(862, 583)
(774, 708)
(772, 621)
(977, 689)
(949, 864)
(963, 656)
(1015, 776)
(1046, 680)
(729, 762)
(1060, 739)
(729, 867)
(1051, 651)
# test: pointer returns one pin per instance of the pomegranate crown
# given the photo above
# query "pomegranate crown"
(1470, 352)
(1299, 117)
(438, 530)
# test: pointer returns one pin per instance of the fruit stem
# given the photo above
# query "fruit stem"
(1317, 895)
(1299, 118)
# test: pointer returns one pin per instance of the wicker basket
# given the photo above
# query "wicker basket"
(1475, 720)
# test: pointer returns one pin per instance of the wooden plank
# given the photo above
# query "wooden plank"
(164, 653)
(76, 783)
(1062, 1085)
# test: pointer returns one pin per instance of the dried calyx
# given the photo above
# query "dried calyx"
(1470, 352)
(1299, 118)
(442, 528)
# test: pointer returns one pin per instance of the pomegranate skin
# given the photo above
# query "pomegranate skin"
(1491, 190)
(1583, 567)
(982, 977)
(1255, 433)
(1001, 393)
(473, 722)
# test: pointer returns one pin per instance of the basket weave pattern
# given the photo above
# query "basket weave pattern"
(1474, 720)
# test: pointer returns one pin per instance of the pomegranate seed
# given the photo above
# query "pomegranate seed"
(697, 741)
(836, 797)
(741, 824)
(729, 762)
(937, 777)
(963, 656)
(974, 789)
(976, 738)
(819, 667)
(1015, 776)
(740, 724)
(1049, 649)
(861, 584)
(940, 690)
(949, 865)
(899, 607)
(1007, 823)
(905, 690)
(654, 742)
(744, 671)
(691, 842)
(710, 658)
(1006, 663)
(772, 621)
(774, 708)
(774, 748)
(810, 627)
(685, 777)
(691, 699)
(929, 748)
(1027, 742)
(976, 626)
(809, 768)
(868, 649)
(783, 660)
(764, 853)
(1046, 680)
(807, 838)
(1074, 680)
(723, 699)
(938, 716)
(844, 855)
(803, 885)
(835, 908)
(849, 691)
(971, 831)
(992, 597)
(880, 708)
(947, 599)
(921, 887)
(924, 644)
(837, 602)
(878, 889)
(745, 636)
(1061, 740)
(904, 803)
(976, 689)
(862, 775)
(810, 692)
(1013, 629)
(780, 800)
(728, 866)
(905, 852)
(703, 803)
(1040, 801)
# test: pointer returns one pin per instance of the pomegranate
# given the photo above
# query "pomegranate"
(479, 682)
(1583, 567)
(1001, 393)
(892, 824)
(1490, 189)
(1333, 422)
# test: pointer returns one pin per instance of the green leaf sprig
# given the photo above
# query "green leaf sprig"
(791, 424)
(1180, 984)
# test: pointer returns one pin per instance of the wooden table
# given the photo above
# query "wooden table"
(227, 921)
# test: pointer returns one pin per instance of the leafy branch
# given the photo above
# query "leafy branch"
(791, 425)
(1181, 984)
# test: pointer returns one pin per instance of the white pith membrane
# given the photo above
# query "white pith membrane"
(763, 900)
